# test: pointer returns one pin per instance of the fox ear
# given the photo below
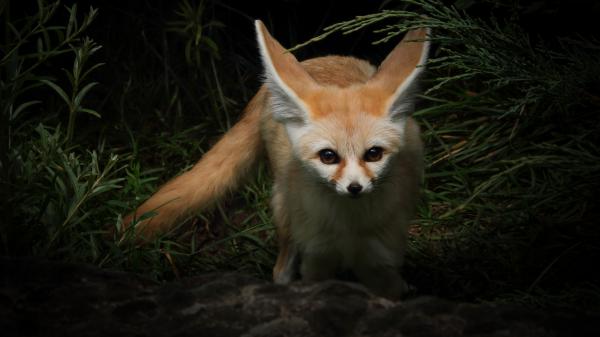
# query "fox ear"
(398, 74)
(287, 81)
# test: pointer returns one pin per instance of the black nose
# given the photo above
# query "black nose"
(354, 188)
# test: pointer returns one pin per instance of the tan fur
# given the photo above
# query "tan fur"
(219, 171)
(286, 65)
(368, 172)
(339, 171)
(393, 70)
(347, 102)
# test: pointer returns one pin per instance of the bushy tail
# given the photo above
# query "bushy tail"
(219, 171)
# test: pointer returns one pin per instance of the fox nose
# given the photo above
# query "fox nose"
(354, 188)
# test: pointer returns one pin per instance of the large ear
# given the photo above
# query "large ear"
(398, 74)
(287, 81)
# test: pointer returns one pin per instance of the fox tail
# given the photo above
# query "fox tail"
(219, 171)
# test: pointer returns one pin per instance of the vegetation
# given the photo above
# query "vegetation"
(510, 120)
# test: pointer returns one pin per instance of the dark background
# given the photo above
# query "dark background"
(295, 21)
(134, 30)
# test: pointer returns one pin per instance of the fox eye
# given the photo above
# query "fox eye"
(328, 157)
(374, 154)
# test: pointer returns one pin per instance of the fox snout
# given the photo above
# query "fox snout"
(353, 179)
(354, 188)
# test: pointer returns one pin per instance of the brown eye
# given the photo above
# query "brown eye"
(329, 157)
(374, 154)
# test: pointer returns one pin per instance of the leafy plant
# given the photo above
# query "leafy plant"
(63, 197)
(48, 184)
(78, 89)
(192, 24)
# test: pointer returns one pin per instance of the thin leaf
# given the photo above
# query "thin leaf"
(21, 108)
(58, 90)
(81, 94)
(91, 112)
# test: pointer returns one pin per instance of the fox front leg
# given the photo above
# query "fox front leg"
(286, 267)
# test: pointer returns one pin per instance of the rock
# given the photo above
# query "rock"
(42, 298)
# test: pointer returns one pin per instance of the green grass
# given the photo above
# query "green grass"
(510, 123)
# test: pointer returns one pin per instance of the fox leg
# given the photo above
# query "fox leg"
(292, 261)
(286, 266)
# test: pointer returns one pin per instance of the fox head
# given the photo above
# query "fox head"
(347, 136)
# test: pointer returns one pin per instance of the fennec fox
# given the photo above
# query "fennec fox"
(345, 154)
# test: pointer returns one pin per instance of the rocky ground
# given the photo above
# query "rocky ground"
(41, 298)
